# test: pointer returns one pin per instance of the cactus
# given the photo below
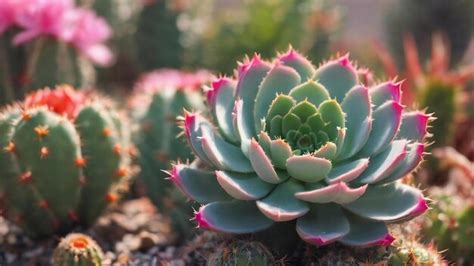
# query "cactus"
(64, 159)
(158, 19)
(450, 224)
(415, 253)
(77, 249)
(294, 143)
(48, 43)
(240, 253)
(160, 96)
(424, 18)
(440, 98)
(437, 89)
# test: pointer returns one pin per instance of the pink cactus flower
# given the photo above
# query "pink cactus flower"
(41, 17)
(8, 10)
(163, 79)
(87, 32)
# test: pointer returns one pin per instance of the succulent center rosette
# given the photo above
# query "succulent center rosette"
(291, 141)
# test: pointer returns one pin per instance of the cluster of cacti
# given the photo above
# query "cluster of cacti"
(216, 36)
(77, 249)
(44, 43)
(291, 142)
(450, 224)
(160, 97)
(64, 158)
(424, 18)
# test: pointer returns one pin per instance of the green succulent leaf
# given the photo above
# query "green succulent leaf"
(247, 89)
(411, 161)
(299, 63)
(262, 164)
(384, 128)
(308, 168)
(327, 151)
(243, 186)
(348, 171)
(281, 105)
(356, 106)
(413, 126)
(281, 205)
(385, 92)
(223, 154)
(201, 186)
(304, 109)
(382, 165)
(365, 232)
(311, 91)
(223, 105)
(405, 202)
(333, 116)
(245, 133)
(337, 192)
(337, 76)
(280, 80)
(280, 152)
(236, 217)
(315, 229)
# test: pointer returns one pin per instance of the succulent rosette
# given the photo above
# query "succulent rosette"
(294, 142)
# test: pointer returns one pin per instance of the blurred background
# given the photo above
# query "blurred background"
(427, 44)
(214, 34)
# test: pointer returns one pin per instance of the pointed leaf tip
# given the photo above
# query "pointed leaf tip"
(345, 61)
(174, 174)
(201, 220)
(420, 208)
(216, 85)
(189, 121)
(385, 241)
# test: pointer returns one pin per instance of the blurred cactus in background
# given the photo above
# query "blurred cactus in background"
(160, 97)
(450, 223)
(43, 43)
(217, 35)
(436, 88)
(423, 18)
(158, 36)
(64, 158)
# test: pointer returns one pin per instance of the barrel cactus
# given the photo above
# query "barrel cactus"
(295, 142)
(77, 249)
(64, 158)
(160, 97)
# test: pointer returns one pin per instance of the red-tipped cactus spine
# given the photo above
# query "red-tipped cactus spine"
(291, 142)
(63, 160)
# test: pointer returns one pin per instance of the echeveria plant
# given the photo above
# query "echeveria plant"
(291, 141)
